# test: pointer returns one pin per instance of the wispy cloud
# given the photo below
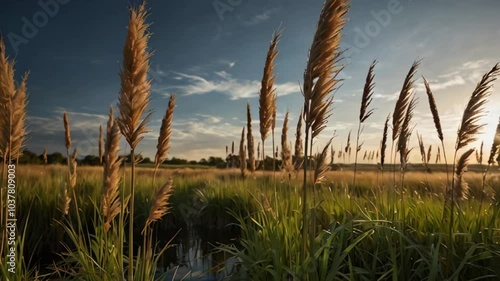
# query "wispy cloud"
(449, 82)
(79, 121)
(259, 18)
(475, 64)
(392, 97)
(224, 83)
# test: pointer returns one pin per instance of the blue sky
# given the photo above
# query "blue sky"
(213, 60)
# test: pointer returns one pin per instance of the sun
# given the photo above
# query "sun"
(492, 126)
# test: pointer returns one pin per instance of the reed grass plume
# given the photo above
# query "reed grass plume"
(160, 205)
(474, 111)
(250, 141)
(243, 158)
(434, 109)
(72, 168)
(45, 157)
(479, 154)
(7, 92)
(321, 166)
(495, 145)
(461, 188)
(135, 86)
(100, 144)
(367, 97)
(67, 133)
(422, 149)
(298, 144)
(324, 65)
(163, 146)
(111, 203)
(429, 151)
(275, 110)
(66, 201)
(133, 101)
(267, 90)
(258, 150)
(17, 136)
(383, 144)
(348, 145)
(404, 99)
(438, 155)
(405, 134)
(286, 153)
(364, 113)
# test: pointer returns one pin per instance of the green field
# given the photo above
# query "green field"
(360, 233)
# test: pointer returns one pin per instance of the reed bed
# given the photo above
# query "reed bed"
(436, 229)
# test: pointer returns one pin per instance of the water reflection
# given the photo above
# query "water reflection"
(195, 256)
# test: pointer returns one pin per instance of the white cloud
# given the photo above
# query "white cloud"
(226, 84)
(451, 82)
(259, 18)
(387, 97)
(210, 118)
(223, 74)
(475, 64)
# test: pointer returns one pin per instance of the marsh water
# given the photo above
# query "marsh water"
(195, 256)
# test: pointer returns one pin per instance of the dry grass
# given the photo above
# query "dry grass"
(135, 86)
(438, 155)
(404, 99)
(364, 112)
(134, 99)
(434, 110)
(421, 146)
(100, 144)
(298, 144)
(286, 154)
(322, 166)
(367, 97)
(13, 102)
(324, 65)
(45, 158)
(405, 134)
(18, 120)
(250, 141)
(111, 204)
(163, 145)
(66, 202)
(383, 145)
(348, 144)
(494, 146)
(67, 132)
(243, 156)
(7, 92)
(267, 90)
(160, 203)
(72, 168)
(429, 151)
(470, 126)
(460, 187)
(479, 154)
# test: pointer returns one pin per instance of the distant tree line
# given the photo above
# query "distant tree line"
(29, 157)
